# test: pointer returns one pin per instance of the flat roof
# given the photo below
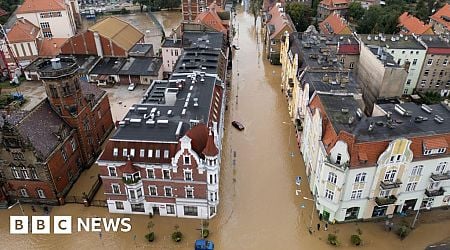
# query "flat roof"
(198, 59)
(108, 66)
(141, 49)
(435, 41)
(168, 107)
(397, 41)
(141, 66)
(170, 42)
(203, 40)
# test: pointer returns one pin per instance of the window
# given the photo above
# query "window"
(361, 177)
(338, 159)
(210, 179)
(187, 160)
(150, 153)
(64, 155)
(115, 188)
(33, 173)
(132, 152)
(125, 152)
(112, 171)
(168, 191)
(425, 73)
(188, 175)
(212, 211)
(272, 42)
(166, 174)
(45, 25)
(142, 153)
(192, 211)
(411, 186)
(115, 152)
(445, 62)
(23, 192)
(119, 205)
(417, 170)
(441, 150)
(430, 61)
(399, 61)
(166, 154)
(329, 194)
(157, 153)
(408, 82)
(352, 65)
(332, 177)
(40, 193)
(189, 192)
(73, 143)
(170, 209)
(441, 167)
(153, 190)
(434, 185)
(403, 52)
(356, 194)
(385, 193)
(215, 178)
(24, 173)
(390, 175)
(15, 172)
(150, 173)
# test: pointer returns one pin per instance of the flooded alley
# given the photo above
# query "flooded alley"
(261, 206)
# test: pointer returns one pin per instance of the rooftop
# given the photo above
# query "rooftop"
(442, 16)
(85, 62)
(198, 59)
(23, 31)
(141, 66)
(385, 57)
(203, 40)
(406, 119)
(36, 6)
(334, 24)
(412, 25)
(170, 108)
(50, 47)
(211, 19)
(392, 41)
(57, 67)
(278, 21)
(170, 42)
(141, 49)
(331, 81)
(108, 66)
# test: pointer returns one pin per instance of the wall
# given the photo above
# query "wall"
(61, 27)
(414, 70)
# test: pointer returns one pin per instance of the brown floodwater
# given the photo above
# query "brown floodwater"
(259, 207)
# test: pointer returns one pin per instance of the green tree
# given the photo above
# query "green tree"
(421, 10)
(171, 4)
(255, 8)
(379, 19)
(300, 14)
(355, 11)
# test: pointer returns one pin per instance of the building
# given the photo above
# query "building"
(192, 8)
(118, 70)
(316, 63)
(142, 50)
(110, 37)
(334, 24)
(56, 18)
(23, 43)
(327, 7)
(362, 167)
(406, 52)
(43, 151)
(216, 19)
(441, 20)
(410, 24)
(435, 75)
(171, 49)
(277, 23)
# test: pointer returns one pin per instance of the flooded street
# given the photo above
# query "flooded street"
(259, 207)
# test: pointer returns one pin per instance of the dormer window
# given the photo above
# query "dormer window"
(133, 177)
(434, 146)
(338, 159)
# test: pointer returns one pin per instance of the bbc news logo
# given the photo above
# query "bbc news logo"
(63, 225)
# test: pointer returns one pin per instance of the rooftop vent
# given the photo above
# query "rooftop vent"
(135, 120)
(426, 108)
(344, 110)
(359, 113)
(370, 129)
(438, 119)
(56, 63)
(400, 109)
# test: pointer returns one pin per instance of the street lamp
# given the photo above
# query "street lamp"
(417, 215)
(20, 205)
(312, 212)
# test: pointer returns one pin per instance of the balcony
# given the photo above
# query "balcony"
(440, 176)
(384, 201)
(435, 192)
(131, 181)
(390, 184)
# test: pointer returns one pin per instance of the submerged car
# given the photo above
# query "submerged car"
(131, 87)
(238, 125)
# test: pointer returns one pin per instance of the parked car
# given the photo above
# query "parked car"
(131, 87)
(238, 125)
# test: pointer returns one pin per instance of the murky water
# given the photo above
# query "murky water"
(259, 207)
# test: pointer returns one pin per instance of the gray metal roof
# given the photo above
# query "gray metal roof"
(202, 39)
(108, 66)
(141, 66)
(392, 41)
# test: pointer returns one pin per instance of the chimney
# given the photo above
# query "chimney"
(56, 63)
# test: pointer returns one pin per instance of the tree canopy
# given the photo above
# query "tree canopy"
(355, 11)
(158, 4)
(379, 19)
(300, 14)
(255, 8)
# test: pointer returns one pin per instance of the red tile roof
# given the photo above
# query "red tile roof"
(199, 137)
(23, 31)
(49, 47)
(439, 15)
(435, 143)
(210, 148)
(334, 24)
(129, 167)
(439, 51)
(212, 20)
(348, 49)
(33, 6)
(280, 21)
(412, 24)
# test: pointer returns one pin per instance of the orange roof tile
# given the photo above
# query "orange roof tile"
(211, 20)
(435, 143)
(199, 137)
(279, 21)
(23, 31)
(439, 15)
(210, 148)
(32, 6)
(50, 47)
(334, 24)
(413, 25)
